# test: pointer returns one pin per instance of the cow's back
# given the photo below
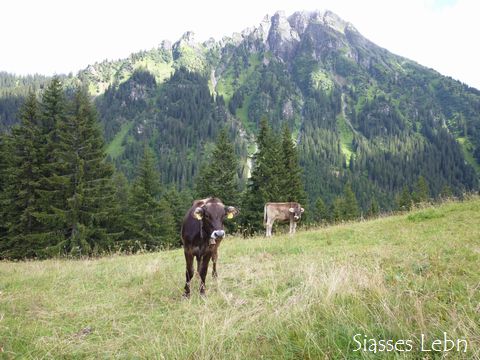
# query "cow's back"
(278, 211)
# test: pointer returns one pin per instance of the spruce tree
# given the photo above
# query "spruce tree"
(53, 185)
(179, 202)
(264, 184)
(421, 192)
(5, 167)
(151, 224)
(351, 209)
(322, 215)
(446, 192)
(374, 209)
(169, 235)
(121, 208)
(338, 209)
(404, 200)
(291, 183)
(25, 176)
(218, 177)
(84, 181)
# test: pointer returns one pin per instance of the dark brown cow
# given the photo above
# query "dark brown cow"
(202, 232)
(285, 211)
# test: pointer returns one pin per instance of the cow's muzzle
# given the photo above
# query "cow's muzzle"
(217, 234)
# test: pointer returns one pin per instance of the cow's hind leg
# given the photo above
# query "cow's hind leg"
(203, 272)
(199, 264)
(188, 273)
(269, 228)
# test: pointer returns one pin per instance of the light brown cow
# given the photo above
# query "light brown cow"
(285, 211)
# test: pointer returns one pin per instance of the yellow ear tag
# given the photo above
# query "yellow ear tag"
(198, 216)
(230, 216)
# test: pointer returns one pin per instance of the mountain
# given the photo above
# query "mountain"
(359, 113)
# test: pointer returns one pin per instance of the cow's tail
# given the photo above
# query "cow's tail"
(265, 215)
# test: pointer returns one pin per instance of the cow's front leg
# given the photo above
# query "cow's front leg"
(214, 263)
(203, 272)
(188, 273)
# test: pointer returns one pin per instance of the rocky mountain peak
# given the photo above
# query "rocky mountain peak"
(188, 38)
(282, 38)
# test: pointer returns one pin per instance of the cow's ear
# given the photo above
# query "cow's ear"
(302, 210)
(231, 212)
(292, 210)
(198, 213)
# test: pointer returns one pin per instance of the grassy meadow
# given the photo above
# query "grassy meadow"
(301, 297)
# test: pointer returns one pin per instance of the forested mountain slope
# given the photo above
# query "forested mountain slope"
(359, 113)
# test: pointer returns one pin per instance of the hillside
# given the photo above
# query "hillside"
(358, 112)
(303, 297)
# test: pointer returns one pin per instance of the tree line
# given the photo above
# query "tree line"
(60, 195)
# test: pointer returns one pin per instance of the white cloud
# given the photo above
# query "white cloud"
(60, 36)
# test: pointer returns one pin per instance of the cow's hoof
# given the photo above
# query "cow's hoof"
(186, 296)
(214, 275)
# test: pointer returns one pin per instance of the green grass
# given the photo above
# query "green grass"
(467, 149)
(321, 81)
(346, 137)
(242, 114)
(161, 70)
(227, 85)
(115, 148)
(281, 298)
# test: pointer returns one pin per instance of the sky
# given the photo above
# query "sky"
(62, 36)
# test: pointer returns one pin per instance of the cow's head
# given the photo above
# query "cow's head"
(212, 215)
(296, 212)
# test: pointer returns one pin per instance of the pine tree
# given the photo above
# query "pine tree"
(404, 200)
(338, 209)
(218, 177)
(5, 167)
(421, 191)
(170, 237)
(179, 202)
(84, 181)
(351, 210)
(291, 183)
(151, 224)
(24, 203)
(446, 192)
(264, 184)
(53, 184)
(121, 208)
(322, 215)
(374, 209)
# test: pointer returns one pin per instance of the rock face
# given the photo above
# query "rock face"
(282, 38)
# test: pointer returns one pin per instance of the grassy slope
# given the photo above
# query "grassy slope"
(467, 152)
(300, 297)
(115, 148)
